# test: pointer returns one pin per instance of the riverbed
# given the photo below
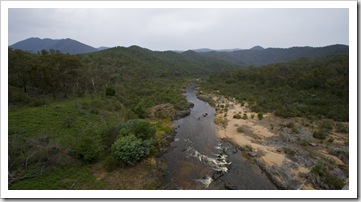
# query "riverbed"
(198, 159)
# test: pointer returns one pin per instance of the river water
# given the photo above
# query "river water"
(198, 160)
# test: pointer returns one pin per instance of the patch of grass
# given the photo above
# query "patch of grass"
(60, 129)
(219, 120)
(326, 125)
(303, 142)
(293, 127)
(65, 178)
(323, 171)
(341, 128)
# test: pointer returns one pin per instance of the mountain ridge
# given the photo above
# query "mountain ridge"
(35, 44)
(255, 56)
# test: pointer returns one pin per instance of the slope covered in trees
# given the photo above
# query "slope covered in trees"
(316, 87)
(258, 56)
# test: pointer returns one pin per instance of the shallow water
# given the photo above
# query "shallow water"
(197, 159)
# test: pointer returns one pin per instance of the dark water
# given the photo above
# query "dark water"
(199, 160)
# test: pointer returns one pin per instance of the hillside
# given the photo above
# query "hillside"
(317, 87)
(257, 56)
(70, 46)
(161, 63)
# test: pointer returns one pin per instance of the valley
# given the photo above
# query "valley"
(132, 118)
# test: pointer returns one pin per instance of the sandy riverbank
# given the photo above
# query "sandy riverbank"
(261, 143)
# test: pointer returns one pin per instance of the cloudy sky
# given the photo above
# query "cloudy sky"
(183, 29)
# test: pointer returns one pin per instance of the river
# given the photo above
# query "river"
(198, 160)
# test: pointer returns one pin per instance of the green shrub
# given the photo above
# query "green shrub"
(130, 149)
(88, 144)
(293, 127)
(320, 134)
(240, 130)
(245, 116)
(237, 116)
(138, 127)
(289, 151)
(326, 125)
(260, 115)
(110, 91)
(341, 128)
(110, 164)
(303, 142)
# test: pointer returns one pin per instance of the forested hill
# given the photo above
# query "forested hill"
(259, 56)
(158, 63)
(138, 76)
(317, 87)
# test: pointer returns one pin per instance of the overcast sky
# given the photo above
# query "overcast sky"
(183, 29)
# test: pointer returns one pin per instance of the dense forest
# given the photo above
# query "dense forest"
(114, 108)
(306, 87)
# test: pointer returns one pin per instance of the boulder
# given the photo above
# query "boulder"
(252, 154)
(217, 174)
(229, 186)
(313, 144)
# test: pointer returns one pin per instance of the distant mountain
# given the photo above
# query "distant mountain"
(258, 56)
(103, 48)
(204, 50)
(257, 48)
(64, 45)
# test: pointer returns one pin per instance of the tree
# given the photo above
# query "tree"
(130, 149)
(138, 127)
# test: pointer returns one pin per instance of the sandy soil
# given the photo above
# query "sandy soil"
(256, 134)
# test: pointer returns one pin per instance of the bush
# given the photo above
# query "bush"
(260, 115)
(110, 91)
(130, 149)
(320, 134)
(237, 116)
(240, 130)
(110, 164)
(138, 127)
(326, 125)
(88, 144)
(245, 116)
(341, 128)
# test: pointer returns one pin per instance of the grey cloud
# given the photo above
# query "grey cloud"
(182, 29)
